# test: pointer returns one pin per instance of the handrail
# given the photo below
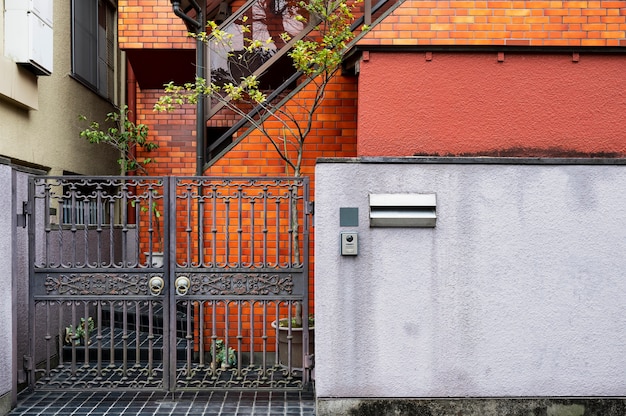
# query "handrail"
(244, 120)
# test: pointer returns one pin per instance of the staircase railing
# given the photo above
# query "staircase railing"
(370, 12)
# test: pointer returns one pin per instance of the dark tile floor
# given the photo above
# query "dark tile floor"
(216, 403)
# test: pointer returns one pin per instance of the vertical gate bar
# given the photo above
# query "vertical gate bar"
(137, 333)
(292, 226)
(277, 230)
(201, 261)
(151, 338)
(226, 329)
(265, 225)
(85, 332)
(306, 371)
(48, 339)
(112, 334)
(124, 220)
(264, 337)
(151, 220)
(227, 231)
(31, 278)
(46, 221)
(61, 331)
(73, 338)
(169, 273)
(137, 232)
(124, 338)
(73, 215)
(239, 225)
(200, 306)
(188, 226)
(277, 317)
(99, 339)
(289, 335)
(239, 337)
(99, 220)
(85, 234)
(214, 335)
(112, 244)
(252, 231)
(252, 317)
(188, 338)
(214, 225)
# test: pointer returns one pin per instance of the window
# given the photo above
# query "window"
(87, 202)
(93, 44)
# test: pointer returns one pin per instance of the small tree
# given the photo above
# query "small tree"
(126, 137)
(317, 58)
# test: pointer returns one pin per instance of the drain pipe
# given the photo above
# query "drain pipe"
(196, 26)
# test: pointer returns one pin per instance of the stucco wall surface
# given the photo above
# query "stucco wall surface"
(6, 283)
(460, 103)
(49, 136)
(517, 291)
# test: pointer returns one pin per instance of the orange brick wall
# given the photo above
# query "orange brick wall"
(151, 24)
(333, 135)
(513, 23)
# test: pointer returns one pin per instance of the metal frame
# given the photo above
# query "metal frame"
(231, 265)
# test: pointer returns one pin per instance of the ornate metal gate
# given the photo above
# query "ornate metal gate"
(169, 283)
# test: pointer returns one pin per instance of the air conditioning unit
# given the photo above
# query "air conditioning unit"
(28, 34)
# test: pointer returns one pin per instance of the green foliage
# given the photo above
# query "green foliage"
(123, 135)
(222, 358)
(77, 335)
(317, 58)
(284, 323)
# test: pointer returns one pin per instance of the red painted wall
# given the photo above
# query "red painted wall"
(470, 103)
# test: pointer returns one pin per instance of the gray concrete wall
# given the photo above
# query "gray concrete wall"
(7, 306)
(518, 290)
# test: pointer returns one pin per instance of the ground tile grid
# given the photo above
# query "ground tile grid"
(214, 403)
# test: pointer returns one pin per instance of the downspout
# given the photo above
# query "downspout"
(196, 26)
(131, 102)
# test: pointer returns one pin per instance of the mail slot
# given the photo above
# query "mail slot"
(403, 210)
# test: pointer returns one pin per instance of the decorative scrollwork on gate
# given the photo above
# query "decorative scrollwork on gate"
(240, 284)
(97, 284)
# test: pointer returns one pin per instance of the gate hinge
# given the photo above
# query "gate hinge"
(22, 219)
(28, 363)
(310, 208)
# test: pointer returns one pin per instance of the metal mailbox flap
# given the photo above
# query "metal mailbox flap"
(403, 210)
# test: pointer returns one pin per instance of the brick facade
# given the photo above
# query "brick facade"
(506, 23)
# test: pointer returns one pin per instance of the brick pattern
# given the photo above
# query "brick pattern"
(151, 24)
(512, 23)
(333, 135)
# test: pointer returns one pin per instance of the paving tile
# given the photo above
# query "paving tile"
(216, 403)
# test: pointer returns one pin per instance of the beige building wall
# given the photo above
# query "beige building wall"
(39, 116)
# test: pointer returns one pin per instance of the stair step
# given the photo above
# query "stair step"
(144, 320)
(122, 342)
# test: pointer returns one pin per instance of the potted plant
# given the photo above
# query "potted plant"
(80, 334)
(286, 328)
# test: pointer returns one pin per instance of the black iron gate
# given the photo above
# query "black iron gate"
(169, 283)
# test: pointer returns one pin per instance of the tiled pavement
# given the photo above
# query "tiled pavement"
(216, 403)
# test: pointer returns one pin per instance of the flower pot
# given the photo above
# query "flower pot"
(296, 345)
(157, 259)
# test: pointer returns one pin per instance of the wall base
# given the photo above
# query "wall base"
(5, 404)
(472, 407)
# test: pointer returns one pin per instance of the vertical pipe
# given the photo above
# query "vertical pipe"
(200, 124)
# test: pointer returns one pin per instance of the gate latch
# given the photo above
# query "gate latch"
(22, 219)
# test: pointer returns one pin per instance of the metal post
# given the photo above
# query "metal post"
(200, 123)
